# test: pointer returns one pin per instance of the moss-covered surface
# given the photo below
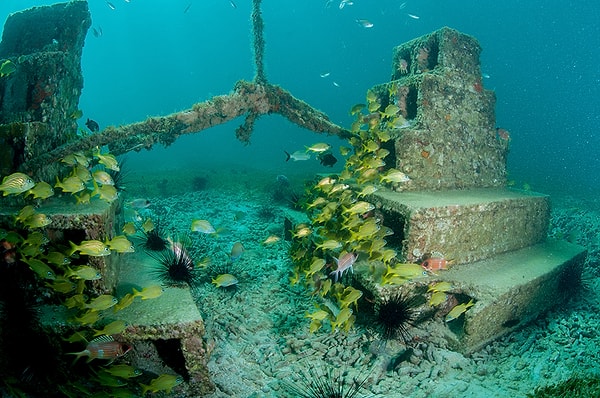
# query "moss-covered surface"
(580, 386)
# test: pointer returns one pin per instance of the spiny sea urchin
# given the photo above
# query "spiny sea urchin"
(393, 315)
(175, 266)
(326, 384)
(153, 239)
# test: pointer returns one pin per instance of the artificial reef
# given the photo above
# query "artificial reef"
(426, 160)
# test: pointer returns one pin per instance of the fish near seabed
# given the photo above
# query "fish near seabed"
(458, 310)
(164, 382)
(236, 251)
(343, 263)
(225, 280)
(203, 226)
(436, 263)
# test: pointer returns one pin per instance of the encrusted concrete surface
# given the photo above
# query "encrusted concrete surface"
(47, 82)
(514, 288)
(173, 317)
(508, 291)
(450, 139)
(464, 225)
(456, 204)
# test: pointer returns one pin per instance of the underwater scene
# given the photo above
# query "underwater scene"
(313, 199)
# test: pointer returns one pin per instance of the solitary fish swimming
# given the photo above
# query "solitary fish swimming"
(103, 347)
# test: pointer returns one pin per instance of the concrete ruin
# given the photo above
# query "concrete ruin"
(38, 112)
(457, 204)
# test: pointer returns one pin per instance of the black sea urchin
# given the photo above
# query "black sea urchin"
(393, 315)
(326, 384)
(175, 266)
(153, 239)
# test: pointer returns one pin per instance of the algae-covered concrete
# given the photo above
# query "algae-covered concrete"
(46, 85)
(515, 288)
(464, 225)
(508, 291)
(456, 206)
(98, 220)
(173, 316)
(450, 140)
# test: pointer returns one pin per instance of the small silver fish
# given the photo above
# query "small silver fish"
(296, 156)
(365, 23)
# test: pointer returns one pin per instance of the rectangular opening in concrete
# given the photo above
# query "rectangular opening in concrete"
(397, 223)
(402, 64)
(170, 352)
(426, 54)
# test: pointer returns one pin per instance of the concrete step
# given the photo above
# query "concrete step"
(173, 318)
(463, 225)
(509, 290)
(166, 332)
(171, 321)
(514, 288)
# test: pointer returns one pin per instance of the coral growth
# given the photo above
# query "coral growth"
(423, 59)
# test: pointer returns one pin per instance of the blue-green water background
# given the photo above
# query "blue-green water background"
(542, 58)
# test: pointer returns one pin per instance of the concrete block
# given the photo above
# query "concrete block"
(166, 332)
(21, 142)
(509, 290)
(513, 289)
(449, 140)
(463, 225)
(47, 82)
(171, 320)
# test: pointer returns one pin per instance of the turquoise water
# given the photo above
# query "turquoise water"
(157, 57)
(153, 58)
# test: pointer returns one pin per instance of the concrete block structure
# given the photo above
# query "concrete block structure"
(38, 113)
(456, 204)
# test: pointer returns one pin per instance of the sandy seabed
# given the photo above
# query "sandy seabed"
(259, 333)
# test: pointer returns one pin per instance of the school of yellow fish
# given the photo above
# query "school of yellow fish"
(342, 220)
(87, 178)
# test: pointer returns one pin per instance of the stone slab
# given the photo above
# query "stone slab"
(170, 322)
(464, 225)
(509, 290)
(172, 317)
(513, 289)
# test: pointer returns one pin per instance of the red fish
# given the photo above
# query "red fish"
(103, 347)
(502, 134)
(8, 252)
(435, 264)
(343, 263)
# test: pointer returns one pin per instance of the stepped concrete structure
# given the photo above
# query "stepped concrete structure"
(38, 112)
(456, 205)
